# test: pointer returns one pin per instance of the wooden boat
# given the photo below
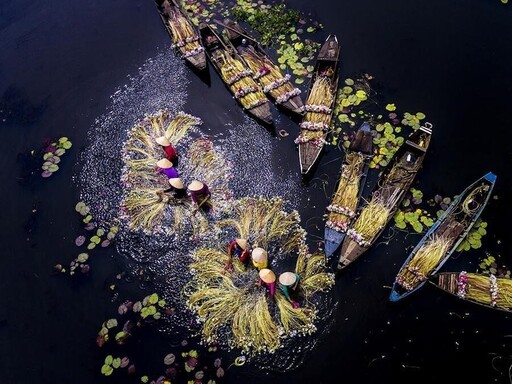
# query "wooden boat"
(441, 240)
(318, 109)
(349, 188)
(487, 290)
(265, 71)
(235, 74)
(183, 33)
(386, 196)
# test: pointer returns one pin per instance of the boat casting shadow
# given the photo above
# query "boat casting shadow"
(306, 178)
(203, 74)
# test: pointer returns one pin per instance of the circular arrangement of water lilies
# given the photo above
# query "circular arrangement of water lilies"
(52, 156)
(235, 311)
(144, 208)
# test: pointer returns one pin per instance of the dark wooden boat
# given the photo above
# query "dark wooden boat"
(451, 228)
(183, 33)
(352, 175)
(387, 195)
(318, 113)
(265, 71)
(235, 74)
(486, 290)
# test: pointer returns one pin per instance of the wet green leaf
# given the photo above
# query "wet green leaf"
(116, 362)
(111, 323)
(349, 82)
(109, 359)
(106, 370)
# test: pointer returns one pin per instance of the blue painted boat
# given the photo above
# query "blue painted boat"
(453, 226)
(361, 150)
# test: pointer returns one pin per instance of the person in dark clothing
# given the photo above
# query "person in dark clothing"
(200, 194)
(237, 248)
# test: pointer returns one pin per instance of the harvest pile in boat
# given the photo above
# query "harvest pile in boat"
(344, 203)
(371, 220)
(184, 36)
(231, 308)
(317, 113)
(488, 290)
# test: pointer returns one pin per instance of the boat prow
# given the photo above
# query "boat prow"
(332, 240)
(350, 251)
(262, 112)
(197, 61)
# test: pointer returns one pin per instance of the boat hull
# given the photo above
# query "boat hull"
(295, 105)
(198, 61)
(332, 240)
(308, 155)
(350, 251)
(262, 112)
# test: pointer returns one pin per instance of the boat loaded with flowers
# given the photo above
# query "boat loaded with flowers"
(235, 74)
(184, 36)
(318, 109)
(386, 196)
(487, 290)
(349, 188)
(441, 240)
(264, 70)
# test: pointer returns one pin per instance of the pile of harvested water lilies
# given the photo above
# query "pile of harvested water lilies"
(230, 307)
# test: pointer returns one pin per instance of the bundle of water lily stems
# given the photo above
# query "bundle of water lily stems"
(489, 290)
(423, 263)
(373, 217)
(184, 36)
(233, 310)
(263, 221)
(239, 79)
(344, 202)
(318, 115)
(273, 78)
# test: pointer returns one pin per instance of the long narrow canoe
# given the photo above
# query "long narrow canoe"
(441, 240)
(319, 106)
(265, 71)
(487, 290)
(350, 185)
(235, 74)
(183, 33)
(386, 196)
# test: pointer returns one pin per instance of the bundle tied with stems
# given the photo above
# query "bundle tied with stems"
(488, 290)
(184, 36)
(373, 217)
(243, 86)
(268, 73)
(312, 269)
(344, 202)
(424, 262)
(317, 119)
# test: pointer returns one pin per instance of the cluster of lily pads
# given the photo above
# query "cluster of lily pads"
(185, 364)
(489, 265)
(410, 213)
(52, 155)
(103, 236)
(474, 238)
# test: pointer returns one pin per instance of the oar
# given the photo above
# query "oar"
(235, 30)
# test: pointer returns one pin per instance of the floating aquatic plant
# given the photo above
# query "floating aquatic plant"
(410, 213)
(489, 265)
(52, 155)
(474, 238)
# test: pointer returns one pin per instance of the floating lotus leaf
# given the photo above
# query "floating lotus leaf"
(67, 145)
(281, 60)
(379, 127)
(411, 217)
(124, 362)
(299, 80)
(347, 90)
(144, 379)
(87, 219)
(400, 224)
(390, 107)
(111, 323)
(349, 82)
(482, 231)
(420, 116)
(80, 240)
(46, 173)
(121, 335)
(82, 258)
(109, 359)
(153, 299)
(169, 359)
(312, 29)
(47, 155)
(388, 130)
(361, 94)
(95, 239)
(304, 60)
(157, 316)
(352, 99)
(310, 68)
(100, 232)
(137, 306)
(106, 370)
(298, 46)
(116, 363)
(283, 67)
(417, 226)
(91, 246)
(63, 139)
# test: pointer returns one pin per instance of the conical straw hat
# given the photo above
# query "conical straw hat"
(176, 182)
(242, 243)
(259, 255)
(164, 163)
(267, 275)
(162, 140)
(195, 185)
(287, 278)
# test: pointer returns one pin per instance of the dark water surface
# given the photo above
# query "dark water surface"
(61, 62)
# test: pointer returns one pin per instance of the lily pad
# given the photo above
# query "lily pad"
(111, 323)
(46, 174)
(124, 362)
(169, 359)
(82, 258)
(105, 243)
(60, 151)
(80, 240)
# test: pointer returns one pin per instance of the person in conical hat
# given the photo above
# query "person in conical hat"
(259, 258)
(199, 192)
(238, 248)
(170, 152)
(268, 278)
(177, 189)
(167, 168)
(288, 282)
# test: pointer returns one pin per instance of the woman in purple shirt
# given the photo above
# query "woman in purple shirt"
(167, 168)
(268, 279)
(199, 193)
